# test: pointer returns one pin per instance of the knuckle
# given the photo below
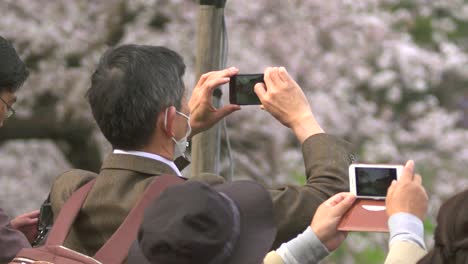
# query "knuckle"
(205, 75)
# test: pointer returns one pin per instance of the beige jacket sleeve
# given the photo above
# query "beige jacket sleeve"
(273, 258)
(404, 252)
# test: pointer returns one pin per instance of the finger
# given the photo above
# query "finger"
(391, 188)
(262, 107)
(342, 207)
(31, 221)
(418, 179)
(203, 78)
(232, 71)
(226, 73)
(425, 194)
(274, 75)
(335, 199)
(226, 110)
(32, 214)
(283, 74)
(23, 222)
(209, 86)
(267, 77)
(408, 171)
(260, 90)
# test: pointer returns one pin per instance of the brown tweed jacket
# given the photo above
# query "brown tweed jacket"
(123, 178)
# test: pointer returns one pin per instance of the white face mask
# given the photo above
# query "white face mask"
(181, 144)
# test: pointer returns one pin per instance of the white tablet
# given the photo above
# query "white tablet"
(371, 181)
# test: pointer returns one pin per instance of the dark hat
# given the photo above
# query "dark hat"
(195, 223)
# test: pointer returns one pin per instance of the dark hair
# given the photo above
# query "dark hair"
(451, 234)
(130, 87)
(13, 71)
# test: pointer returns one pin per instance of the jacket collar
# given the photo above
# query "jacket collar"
(137, 164)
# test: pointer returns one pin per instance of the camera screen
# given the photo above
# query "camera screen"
(242, 89)
(374, 181)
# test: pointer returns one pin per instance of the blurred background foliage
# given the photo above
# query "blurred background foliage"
(390, 76)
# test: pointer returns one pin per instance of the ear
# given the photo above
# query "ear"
(168, 128)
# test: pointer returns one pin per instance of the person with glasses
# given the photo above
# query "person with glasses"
(13, 73)
(15, 233)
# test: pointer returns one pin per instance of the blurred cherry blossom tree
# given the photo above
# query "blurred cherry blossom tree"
(387, 75)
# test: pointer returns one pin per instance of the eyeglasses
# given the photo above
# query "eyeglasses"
(10, 110)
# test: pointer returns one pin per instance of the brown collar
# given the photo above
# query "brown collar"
(136, 163)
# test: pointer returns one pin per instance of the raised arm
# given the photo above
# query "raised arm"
(326, 157)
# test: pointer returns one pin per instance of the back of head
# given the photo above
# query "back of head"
(131, 85)
(451, 234)
(13, 71)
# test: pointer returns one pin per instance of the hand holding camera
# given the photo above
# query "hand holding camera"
(282, 97)
(407, 194)
(203, 114)
(327, 218)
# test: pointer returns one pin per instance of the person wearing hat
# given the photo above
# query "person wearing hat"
(163, 229)
(230, 223)
(14, 234)
(195, 223)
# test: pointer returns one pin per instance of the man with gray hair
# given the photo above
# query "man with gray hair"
(138, 100)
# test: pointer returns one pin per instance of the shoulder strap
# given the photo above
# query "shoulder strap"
(67, 215)
(115, 250)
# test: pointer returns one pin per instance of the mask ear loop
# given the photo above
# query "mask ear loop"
(189, 131)
(184, 115)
